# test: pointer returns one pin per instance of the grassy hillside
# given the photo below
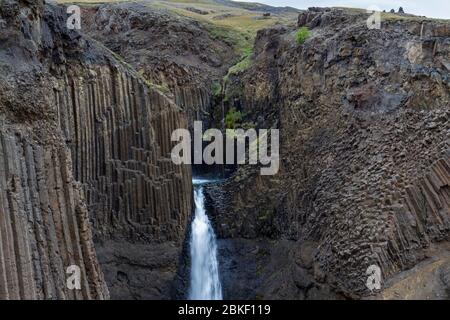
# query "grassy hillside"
(242, 16)
(235, 22)
(388, 16)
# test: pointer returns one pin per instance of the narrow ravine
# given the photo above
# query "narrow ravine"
(204, 280)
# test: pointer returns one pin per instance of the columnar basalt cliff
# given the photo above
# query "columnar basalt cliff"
(44, 222)
(119, 134)
(83, 138)
(364, 180)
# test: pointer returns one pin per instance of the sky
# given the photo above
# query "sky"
(429, 8)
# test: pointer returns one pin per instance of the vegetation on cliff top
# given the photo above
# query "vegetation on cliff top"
(233, 118)
(302, 35)
(234, 23)
(243, 64)
(389, 16)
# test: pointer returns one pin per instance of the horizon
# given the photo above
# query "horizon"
(433, 8)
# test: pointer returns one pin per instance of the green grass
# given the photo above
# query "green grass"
(242, 44)
(388, 16)
(233, 118)
(243, 64)
(216, 88)
(162, 88)
(238, 29)
(238, 40)
(237, 26)
(302, 35)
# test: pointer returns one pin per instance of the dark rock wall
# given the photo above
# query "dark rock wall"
(179, 54)
(119, 134)
(44, 221)
(364, 119)
(83, 138)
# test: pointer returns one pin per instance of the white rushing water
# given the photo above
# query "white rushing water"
(205, 282)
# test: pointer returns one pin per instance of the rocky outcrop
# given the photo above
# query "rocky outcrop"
(83, 137)
(364, 119)
(119, 135)
(44, 222)
(119, 132)
(178, 54)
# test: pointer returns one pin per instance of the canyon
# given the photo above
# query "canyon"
(87, 178)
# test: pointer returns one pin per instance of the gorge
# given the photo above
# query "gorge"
(86, 170)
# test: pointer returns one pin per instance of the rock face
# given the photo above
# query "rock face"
(82, 136)
(44, 222)
(170, 51)
(119, 135)
(364, 119)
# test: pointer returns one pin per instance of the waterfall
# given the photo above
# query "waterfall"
(205, 282)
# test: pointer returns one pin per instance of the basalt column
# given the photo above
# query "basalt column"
(44, 224)
(84, 153)
(119, 132)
